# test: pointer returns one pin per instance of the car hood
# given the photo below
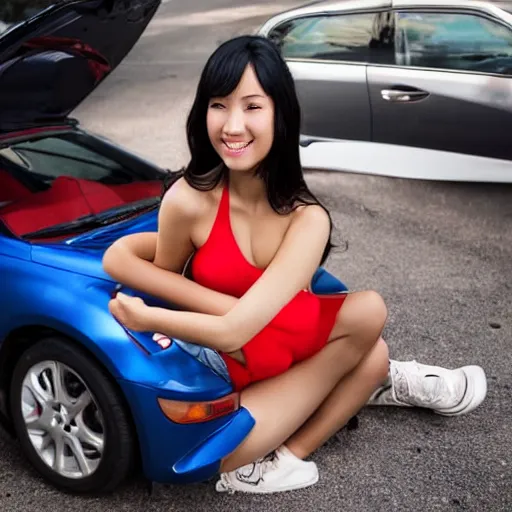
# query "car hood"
(53, 60)
(83, 254)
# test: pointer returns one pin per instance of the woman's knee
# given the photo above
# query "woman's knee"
(375, 310)
(365, 316)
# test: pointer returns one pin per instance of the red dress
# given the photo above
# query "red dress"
(297, 332)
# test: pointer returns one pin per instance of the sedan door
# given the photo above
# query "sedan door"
(451, 86)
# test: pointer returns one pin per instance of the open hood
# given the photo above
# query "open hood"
(56, 58)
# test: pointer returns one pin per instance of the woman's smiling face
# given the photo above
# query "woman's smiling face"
(241, 125)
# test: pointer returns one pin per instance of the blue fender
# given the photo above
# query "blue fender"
(324, 283)
(218, 445)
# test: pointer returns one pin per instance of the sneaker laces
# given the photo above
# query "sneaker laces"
(413, 387)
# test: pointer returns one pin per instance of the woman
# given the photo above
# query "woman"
(258, 235)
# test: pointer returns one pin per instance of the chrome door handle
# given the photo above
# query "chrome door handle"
(400, 96)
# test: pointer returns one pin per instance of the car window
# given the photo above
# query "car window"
(57, 179)
(364, 37)
(463, 42)
(52, 157)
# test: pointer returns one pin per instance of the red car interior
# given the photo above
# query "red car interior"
(67, 199)
(10, 188)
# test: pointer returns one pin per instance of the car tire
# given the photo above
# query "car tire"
(91, 451)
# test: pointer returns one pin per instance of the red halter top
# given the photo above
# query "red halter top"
(297, 332)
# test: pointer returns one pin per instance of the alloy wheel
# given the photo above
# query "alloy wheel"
(63, 420)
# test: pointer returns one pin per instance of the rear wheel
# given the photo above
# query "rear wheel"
(70, 419)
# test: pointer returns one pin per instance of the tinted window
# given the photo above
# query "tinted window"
(453, 41)
(343, 37)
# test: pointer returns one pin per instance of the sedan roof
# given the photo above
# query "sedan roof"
(334, 6)
(505, 5)
(348, 5)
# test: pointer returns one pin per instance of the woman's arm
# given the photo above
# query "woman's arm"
(207, 330)
(128, 262)
(290, 271)
(153, 262)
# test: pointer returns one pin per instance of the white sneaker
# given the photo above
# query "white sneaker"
(277, 472)
(446, 392)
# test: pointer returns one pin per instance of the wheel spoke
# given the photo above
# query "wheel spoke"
(40, 394)
(40, 439)
(48, 384)
(46, 441)
(35, 422)
(59, 387)
(60, 458)
(79, 406)
(86, 465)
(86, 435)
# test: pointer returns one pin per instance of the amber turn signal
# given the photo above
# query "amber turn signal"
(198, 412)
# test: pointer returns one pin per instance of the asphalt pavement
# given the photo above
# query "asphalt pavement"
(440, 254)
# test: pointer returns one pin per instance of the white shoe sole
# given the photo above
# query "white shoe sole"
(255, 490)
(476, 391)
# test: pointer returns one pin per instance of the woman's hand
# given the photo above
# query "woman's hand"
(132, 312)
(207, 330)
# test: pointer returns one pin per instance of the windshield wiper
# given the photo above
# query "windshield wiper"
(95, 220)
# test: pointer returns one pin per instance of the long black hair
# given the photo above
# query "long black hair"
(281, 170)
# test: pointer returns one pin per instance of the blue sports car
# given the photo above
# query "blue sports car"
(88, 400)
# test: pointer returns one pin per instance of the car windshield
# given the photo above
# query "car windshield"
(66, 182)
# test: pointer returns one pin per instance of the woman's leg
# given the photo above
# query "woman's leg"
(445, 391)
(449, 392)
(353, 390)
(282, 405)
(344, 401)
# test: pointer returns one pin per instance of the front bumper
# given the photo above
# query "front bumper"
(174, 453)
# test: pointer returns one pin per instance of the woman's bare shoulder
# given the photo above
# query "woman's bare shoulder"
(186, 201)
(313, 214)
